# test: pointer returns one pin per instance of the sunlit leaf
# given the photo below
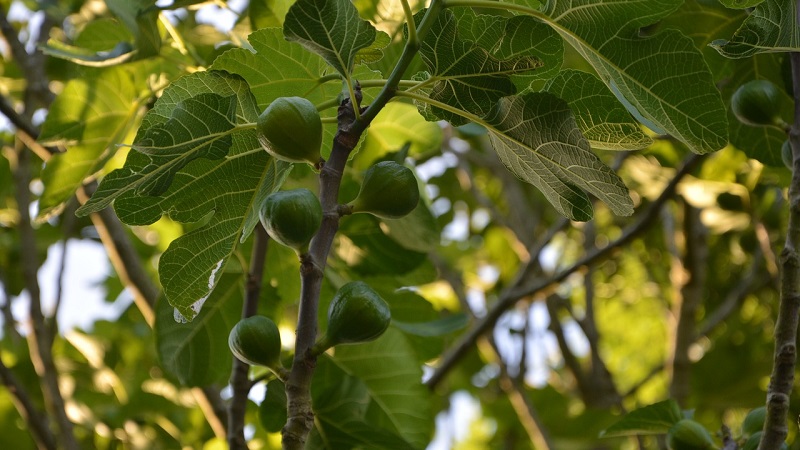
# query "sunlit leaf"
(331, 29)
(663, 76)
(393, 127)
(141, 19)
(771, 27)
(537, 138)
(90, 117)
(601, 118)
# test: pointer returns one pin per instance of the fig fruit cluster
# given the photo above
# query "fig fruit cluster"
(290, 129)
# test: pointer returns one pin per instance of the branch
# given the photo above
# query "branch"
(782, 379)
(36, 421)
(312, 266)
(692, 274)
(351, 125)
(526, 412)
(602, 392)
(519, 290)
(39, 338)
(513, 386)
(239, 380)
(749, 283)
(123, 256)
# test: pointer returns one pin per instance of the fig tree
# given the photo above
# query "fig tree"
(689, 435)
(256, 341)
(356, 314)
(389, 191)
(757, 103)
(290, 129)
(292, 217)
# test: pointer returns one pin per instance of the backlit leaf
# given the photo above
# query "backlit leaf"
(601, 118)
(222, 191)
(771, 27)
(331, 29)
(662, 77)
(536, 137)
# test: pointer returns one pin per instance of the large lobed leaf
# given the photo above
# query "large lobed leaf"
(771, 27)
(537, 138)
(465, 75)
(663, 78)
(331, 29)
(372, 394)
(601, 118)
(171, 173)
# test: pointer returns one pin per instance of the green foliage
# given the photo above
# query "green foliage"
(508, 116)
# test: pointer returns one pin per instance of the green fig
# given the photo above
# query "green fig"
(754, 439)
(786, 154)
(356, 314)
(757, 103)
(292, 217)
(389, 191)
(689, 435)
(290, 129)
(256, 341)
(754, 421)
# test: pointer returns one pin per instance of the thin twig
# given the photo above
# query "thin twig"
(39, 338)
(520, 289)
(239, 374)
(513, 386)
(36, 421)
(123, 256)
(692, 271)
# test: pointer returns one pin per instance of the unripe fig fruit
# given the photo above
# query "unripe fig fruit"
(786, 154)
(290, 129)
(356, 314)
(753, 441)
(757, 103)
(389, 191)
(292, 217)
(256, 341)
(689, 435)
(754, 421)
